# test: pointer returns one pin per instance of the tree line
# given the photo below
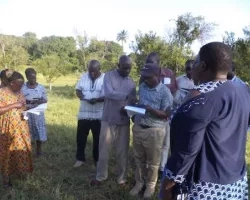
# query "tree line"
(54, 56)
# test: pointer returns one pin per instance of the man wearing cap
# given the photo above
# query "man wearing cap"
(167, 77)
(149, 129)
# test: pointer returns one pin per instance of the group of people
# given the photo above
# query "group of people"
(202, 115)
(208, 125)
(16, 96)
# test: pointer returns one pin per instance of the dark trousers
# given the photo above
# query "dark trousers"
(83, 128)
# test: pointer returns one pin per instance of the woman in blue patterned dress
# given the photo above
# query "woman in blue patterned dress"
(35, 95)
(209, 133)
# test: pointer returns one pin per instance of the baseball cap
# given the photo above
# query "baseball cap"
(150, 69)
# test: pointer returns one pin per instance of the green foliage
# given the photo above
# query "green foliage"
(241, 52)
(171, 55)
(122, 37)
(190, 28)
(52, 67)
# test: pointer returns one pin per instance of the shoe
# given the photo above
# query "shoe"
(136, 189)
(95, 182)
(78, 163)
(149, 192)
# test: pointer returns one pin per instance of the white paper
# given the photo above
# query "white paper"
(132, 110)
(167, 81)
(37, 110)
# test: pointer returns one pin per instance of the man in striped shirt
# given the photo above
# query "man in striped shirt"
(89, 90)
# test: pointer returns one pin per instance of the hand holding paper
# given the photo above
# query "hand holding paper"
(37, 110)
(132, 110)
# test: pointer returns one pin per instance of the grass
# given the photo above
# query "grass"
(54, 177)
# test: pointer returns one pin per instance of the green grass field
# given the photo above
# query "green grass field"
(54, 177)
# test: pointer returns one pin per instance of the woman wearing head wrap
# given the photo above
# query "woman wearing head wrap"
(15, 144)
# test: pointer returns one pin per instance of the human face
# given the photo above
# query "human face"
(189, 67)
(196, 70)
(124, 68)
(151, 81)
(94, 72)
(31, 77)
(16, 85)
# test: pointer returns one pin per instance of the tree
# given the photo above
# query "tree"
(122, 36)
(229, 39)
(189, 29)
(82, 42)
(12, 54)
(171, 55)
(51, 67)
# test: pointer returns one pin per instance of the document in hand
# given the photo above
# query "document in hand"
(132, 110)
(37, 110)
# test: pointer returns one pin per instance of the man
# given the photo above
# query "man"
(89, 90)
(185, 83)
(149, 129)
(167, 77)
(232, 75)
(119, 91)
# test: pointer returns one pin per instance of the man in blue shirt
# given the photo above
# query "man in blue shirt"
(232, 76)
(149, 129)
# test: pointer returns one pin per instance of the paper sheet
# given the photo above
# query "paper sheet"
(132, 110)
(37, 110)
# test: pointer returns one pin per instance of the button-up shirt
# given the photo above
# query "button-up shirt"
(117, 89)
(90, 90)
(184, 84)
(159, 98)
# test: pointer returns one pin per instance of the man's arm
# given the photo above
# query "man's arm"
(167, 101)
(109, 90)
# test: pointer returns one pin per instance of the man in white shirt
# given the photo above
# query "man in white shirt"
(185, 83)
(90, 91)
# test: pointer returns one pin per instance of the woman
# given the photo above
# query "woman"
(3, 81)
(35, 94)
(209, 129)
(15, 144)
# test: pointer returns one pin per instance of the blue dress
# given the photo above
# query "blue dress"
(209, 143)
(37, 123)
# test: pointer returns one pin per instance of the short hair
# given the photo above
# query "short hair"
(30, 70)
(153, 58)
(95, 63)
(233, 66)
(217, 56)
(124, 58)
(189, 62)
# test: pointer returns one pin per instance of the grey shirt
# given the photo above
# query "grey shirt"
(116, 91)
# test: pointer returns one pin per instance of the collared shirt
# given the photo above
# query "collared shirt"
(238, 80)
(90, 90)
(184, 84)
(159, 98)
(116, 91)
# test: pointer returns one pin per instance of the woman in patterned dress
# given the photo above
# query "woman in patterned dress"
(35, 94)
(209, 132)
(15, 142)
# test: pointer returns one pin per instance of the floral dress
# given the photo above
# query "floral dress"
(15, 141)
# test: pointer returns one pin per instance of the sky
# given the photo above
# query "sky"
(105, 18)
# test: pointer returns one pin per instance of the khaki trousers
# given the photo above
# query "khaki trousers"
(165, 148)
(117, 135)
(147, 146)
